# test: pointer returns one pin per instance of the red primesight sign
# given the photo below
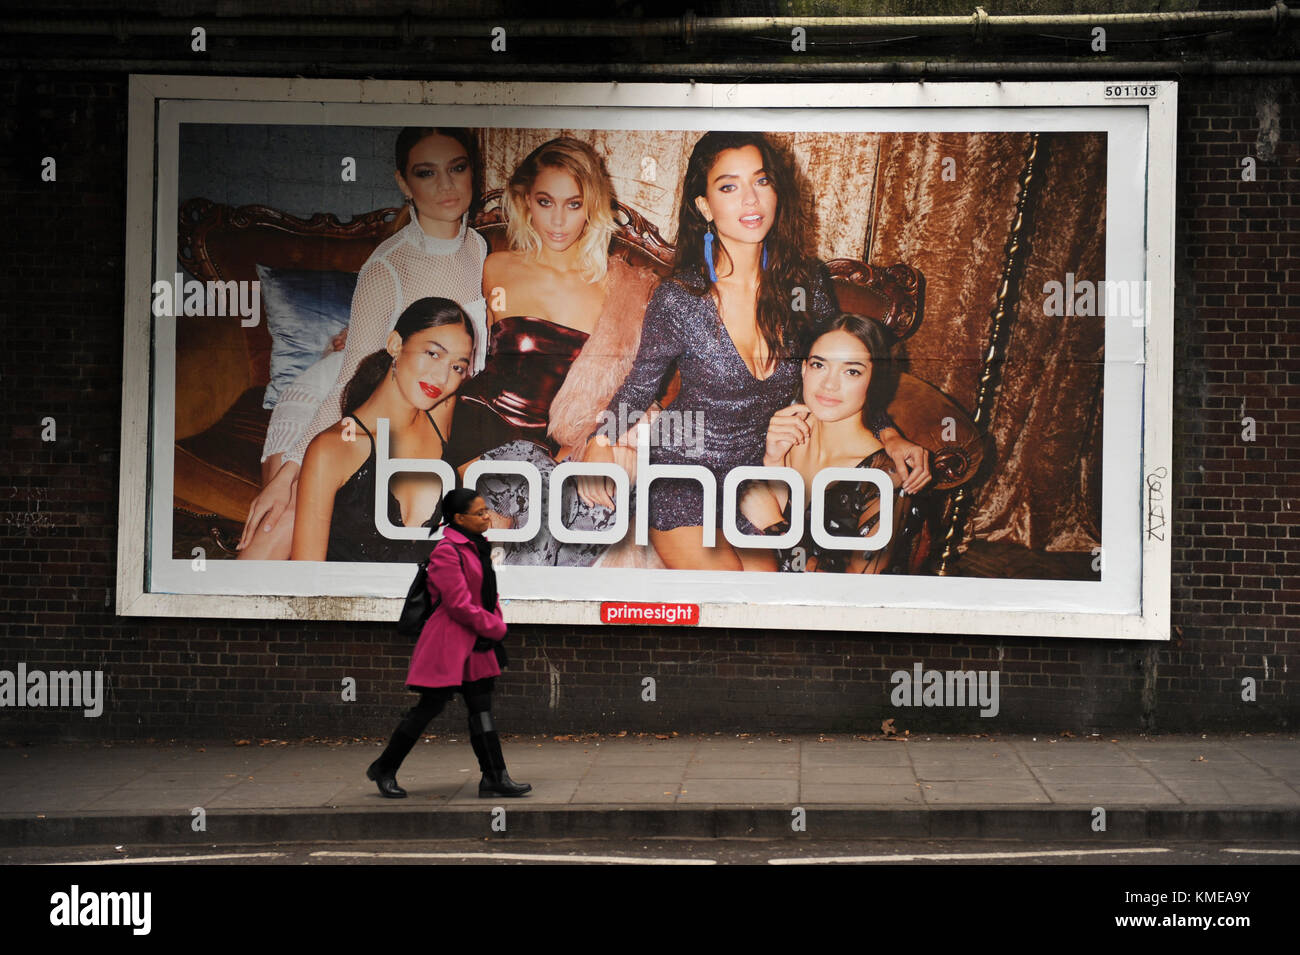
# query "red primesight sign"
(680, 614)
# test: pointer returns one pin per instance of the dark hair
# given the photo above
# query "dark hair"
(420, 315)
(879, 344)
(411, 135)
(457, 501)
(787, 266)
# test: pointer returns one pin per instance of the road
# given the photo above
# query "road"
(673, 852)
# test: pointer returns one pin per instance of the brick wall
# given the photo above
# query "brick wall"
(1235, 520)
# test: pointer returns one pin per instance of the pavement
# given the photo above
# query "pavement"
(1191, 787)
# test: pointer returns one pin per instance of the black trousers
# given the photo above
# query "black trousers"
(477, 695)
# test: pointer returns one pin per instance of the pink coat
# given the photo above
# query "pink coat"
(444, 653)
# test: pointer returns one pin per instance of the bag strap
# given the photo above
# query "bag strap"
(459, 556)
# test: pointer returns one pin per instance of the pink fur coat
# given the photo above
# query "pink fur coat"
(606, 357)
(596, 374)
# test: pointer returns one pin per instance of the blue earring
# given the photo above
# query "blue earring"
(708, 253)
(763, 263)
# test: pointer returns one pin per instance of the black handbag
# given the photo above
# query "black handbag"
(420, 605)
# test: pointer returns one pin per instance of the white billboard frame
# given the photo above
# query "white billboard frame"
(1149, 479)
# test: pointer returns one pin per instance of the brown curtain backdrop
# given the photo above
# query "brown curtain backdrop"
(883, 197)
(1044, 487)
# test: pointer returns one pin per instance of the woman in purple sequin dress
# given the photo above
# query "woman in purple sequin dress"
(734, 321)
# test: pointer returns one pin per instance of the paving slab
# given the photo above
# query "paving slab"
(1095, 775)
(633, 774)
(1088, 754)
(1216, 768)
(861, 794)
(816, 754)
(860, 775)
(168, 800)
(625, 794)
(985, 792)
(1107, 795)
(934, 769)
(740, 792)
(742, 770)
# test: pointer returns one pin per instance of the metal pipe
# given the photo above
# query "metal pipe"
(936, 70)
(687, 27)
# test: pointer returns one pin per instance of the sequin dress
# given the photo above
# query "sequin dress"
(684, 328)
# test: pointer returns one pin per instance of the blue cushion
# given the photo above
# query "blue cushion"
(304, 310)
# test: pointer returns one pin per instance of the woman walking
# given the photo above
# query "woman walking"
(446, 661)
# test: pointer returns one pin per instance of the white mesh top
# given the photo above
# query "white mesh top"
(407, 266)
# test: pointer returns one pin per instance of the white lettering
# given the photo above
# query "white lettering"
(385, 468)
(103, 908)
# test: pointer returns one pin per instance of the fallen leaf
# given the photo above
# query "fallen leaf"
(887, 727)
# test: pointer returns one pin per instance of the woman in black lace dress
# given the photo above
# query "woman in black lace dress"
(847, 377)
(426, 359)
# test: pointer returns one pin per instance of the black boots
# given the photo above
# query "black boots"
(384, 770)
(482, 736)
(487, 747)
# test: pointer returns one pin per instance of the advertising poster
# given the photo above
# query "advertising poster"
(729, 364)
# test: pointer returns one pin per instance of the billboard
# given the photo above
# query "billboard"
(872, 357)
